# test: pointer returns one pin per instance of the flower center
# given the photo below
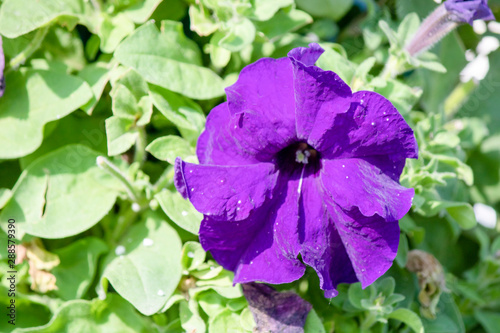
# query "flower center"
(297, 156)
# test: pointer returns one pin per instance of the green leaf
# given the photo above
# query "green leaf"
(334, 9)
(402, 96)
(201, 21)
(97, 76)
(150, 264)
(422, 8)
(265, 9)
(168, 148)
(463, 214)
(221, 284)
(184, 113)
(131, 98)
(190, 318)
(121, 135)
(170, 60)
(113, 30)
(241, 34)
(284, 22)
(132, 108)
(140, 11)
(331, 60)
(463, 171)
(402, 250)
(489, 320)
(72, 129)
(408, 317)
(407, 28)
(391, 35)
(386, 286)
(62, 194)
(18, 17)
(180, 211)
(207, 271)
(211, 303)
(218, 55)
(34, 98)
(313, 323)
(77, 268)
(428, 60)
(446, 139)
(448, 317)
(192, 255)
(248, 323)
(98, 316)
(226, 321)
(356, 294)
(5, 195)
(237, 304)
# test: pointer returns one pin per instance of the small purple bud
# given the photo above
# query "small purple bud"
(2, 67)
(275, 311)
(467, 11)
(444, 19)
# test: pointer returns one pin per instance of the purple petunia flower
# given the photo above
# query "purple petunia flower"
(293, 164)
(444, 19)
(467, 11)
(2, 67)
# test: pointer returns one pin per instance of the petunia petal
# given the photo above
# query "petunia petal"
(248, 248)
(256, 137)
(319, 96)
(266, 261)
(391, 165)
(259, 263)
(226, 192)
(263, 247)
(322, 247)
(266, 88)
(216, 145)
(371, 242)
(376, 128)
(306, 55)
(357, 183)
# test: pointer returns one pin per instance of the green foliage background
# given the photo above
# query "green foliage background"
(102, 96)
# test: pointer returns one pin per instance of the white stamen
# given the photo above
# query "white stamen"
(299, 189)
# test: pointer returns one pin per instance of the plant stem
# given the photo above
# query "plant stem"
(123, 223)
(369, 320)
(165, 180)
(391, 68)
(30, 49)
(105, 164)
(140, 146)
